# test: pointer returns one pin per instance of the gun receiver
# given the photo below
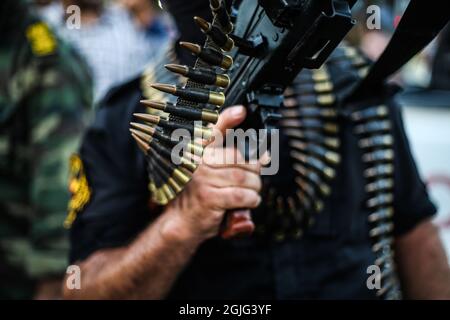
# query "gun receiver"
(274, 41)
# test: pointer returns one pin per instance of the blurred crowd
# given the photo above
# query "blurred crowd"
(117, 38)
(58, 59)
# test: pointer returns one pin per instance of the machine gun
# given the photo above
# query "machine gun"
(275, 41)
(270, 41)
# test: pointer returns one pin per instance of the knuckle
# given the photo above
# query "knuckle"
(254, 200)
(239, 157)
(205, 194)
(238, 176)
(258, 184)
(237, 196)
(217, 216)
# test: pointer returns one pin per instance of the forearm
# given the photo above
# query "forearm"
(146, 269)
(423, 264)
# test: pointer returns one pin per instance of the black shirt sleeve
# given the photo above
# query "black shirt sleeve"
(412, 204)
(116, 173)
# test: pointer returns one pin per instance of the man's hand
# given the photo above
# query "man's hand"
(217, 185)
(148, 267)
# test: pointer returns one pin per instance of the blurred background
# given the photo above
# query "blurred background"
(118, 38)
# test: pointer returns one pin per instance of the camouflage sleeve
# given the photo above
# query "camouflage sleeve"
(57, 112)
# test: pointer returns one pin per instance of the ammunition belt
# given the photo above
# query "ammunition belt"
(197, 105)
(373, 128)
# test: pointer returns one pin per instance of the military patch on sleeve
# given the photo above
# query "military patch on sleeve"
(79, 188)
(41, 39)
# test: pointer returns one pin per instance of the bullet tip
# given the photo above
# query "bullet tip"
(202, 23)
(147, 117)
(183, 70)
(168, 88)
(195, 48)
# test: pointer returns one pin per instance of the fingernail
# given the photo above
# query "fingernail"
(237, 111)
(266, 158)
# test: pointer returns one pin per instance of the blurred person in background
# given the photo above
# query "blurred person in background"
(440, 79)
(45, 93)
(147, 15)
(115, 48)
(49, 10)
(372, 41)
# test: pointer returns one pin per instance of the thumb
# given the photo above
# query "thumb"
(229, 118)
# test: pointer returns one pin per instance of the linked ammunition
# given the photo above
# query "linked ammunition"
(141, 144)
(370, 113)
(376, 141)
(330, 156)
(344, 53)
(320, 99)
(378, 155)
(379, 170)
(291, 205)
(309, 112)
(356, 62)
(373, 126)
(201, 75)
(310, 193)
(220, 38)
(313, 124)
(290, 102)
(197, 131)
(315, 136)
(280, 206)
(302, 198)
(180, 176)
(315, 87)
(312, 76)
(387, 286)
(382, 244)
(220, 11)
(380, 185)
(159, 175)
(362, 72)
(192, 147)
(143, 136)
(388, 270)
(381, 214)
(385, 258)
(314, 163)
(160, 149)
(189, 165)
(186, 112)
(320, 75)
(382, 199)
(192, 94)
(314, 178)
(381, 229)
(209, 55)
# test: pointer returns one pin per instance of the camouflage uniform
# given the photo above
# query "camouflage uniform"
(45, 91)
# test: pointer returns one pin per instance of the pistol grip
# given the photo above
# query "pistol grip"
(237, 223)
